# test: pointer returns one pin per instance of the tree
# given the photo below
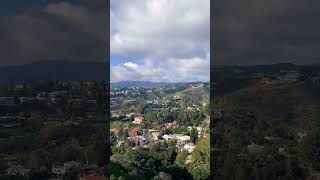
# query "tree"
(121, 178)
(181, 158)
(113, 177)
(200, 171)
(200, 167)
(193, 135)
(163, 176)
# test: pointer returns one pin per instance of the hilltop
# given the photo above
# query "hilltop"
(140, 84)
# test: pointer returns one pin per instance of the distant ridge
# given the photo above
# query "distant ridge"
(54, 70)
(277, 65)
(140, 84)
(260, 68)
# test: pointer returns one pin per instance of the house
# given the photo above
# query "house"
(26, 99)
(36, 115)
(52, 123)
(115, 115)
(7, 101)
(130, 114)
(10, 121)
(74, 84)
(174, 109)
(71, 164)
(135, 132)
(115, 131)
(316, 79)
(189, 147)
(89, 83)
(11, 125)
(58, 170)
(71, 123)
(301, 136)
(138, 120)
(17, 170)
(181, 139)
(269, 138)
(172, 125)
(92, 101)
(200, 131)
(176, 97)
(120, 143)
(41, 95)
(76, 101)
(254, 148)
(55, 117)
(55, 94)
(137, 140)
(168, 137)
(189, 108)
(63, 83)
(154, 134)
(19, 86)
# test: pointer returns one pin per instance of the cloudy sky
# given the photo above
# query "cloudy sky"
(160, 40)
(266, 31)
(46, 30)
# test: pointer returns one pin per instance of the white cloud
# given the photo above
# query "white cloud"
(169, 70)
(161, 33)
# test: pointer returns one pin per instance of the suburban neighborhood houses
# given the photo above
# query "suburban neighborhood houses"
(52, 129)
(170, 121)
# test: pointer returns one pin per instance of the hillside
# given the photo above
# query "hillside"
(198, 94)
(269, 128)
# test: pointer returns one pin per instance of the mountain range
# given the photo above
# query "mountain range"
(140, 84)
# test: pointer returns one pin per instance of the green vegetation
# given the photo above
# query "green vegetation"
(270, 127)
(175, 112)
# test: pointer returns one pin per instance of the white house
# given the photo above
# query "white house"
(189, 147)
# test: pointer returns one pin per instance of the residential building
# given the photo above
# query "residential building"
(135, 132)
(138, 120)
(189, 147)
(7, 101)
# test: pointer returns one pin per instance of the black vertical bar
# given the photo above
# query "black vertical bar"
(107, 85)
(212, 162)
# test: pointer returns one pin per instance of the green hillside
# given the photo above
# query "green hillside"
(269, 131)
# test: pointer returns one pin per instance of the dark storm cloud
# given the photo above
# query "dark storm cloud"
(266, 31)
(58, 30)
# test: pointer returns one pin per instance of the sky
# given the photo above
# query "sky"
(51, 30)
(160, 40)
(251, 32)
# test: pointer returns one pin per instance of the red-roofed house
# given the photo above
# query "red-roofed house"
(115, 131)
(135, 131)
